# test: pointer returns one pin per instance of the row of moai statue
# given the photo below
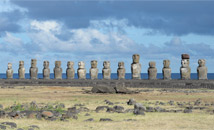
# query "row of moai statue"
(185, 70)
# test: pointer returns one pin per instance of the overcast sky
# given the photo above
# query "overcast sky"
(69, 30)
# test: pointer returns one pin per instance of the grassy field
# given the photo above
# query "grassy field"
(198, 120)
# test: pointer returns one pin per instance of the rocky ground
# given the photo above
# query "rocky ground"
(100, 108)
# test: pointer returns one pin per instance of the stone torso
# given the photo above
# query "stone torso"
(136, 70)
(9, 71)
(81, 72)
(33, 69)
(152, 71)
(94, 73)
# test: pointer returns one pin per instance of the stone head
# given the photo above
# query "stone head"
(136, 58)
(46, 64)
(152, 64)
(185, 56)
(106, 64)
(21, 64)
(33, 62)
(70, 64)
(57, 64)
(121, 65)
(201, 62)
(81, 65)
(185, 63)
(166, 63)
(93, 64)
(9, 66)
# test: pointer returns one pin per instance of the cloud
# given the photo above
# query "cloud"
(168, 17)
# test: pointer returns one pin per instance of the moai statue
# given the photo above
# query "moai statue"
(106, 70)
(121, 71)
(152, 70)
(94, 70)
(81, 72)
(46, 70)
(166, 71)
(21, 70)
(9, 71)
(185, 70)
(57, 70)
(202, 69)
(136, 67)
(70, 72)
(33, 69)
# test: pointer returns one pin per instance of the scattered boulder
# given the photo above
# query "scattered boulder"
(11, 124)
(103, 89)
(150, 109)
(187, 110)
(123, 90)
(105, 119)
(101, 108)
(159, 109)
(3, 127)
(109, 102)
(34, 126)
(118, 109)
(110, 110)
(47, 114)
(131, 102)
(139, 109)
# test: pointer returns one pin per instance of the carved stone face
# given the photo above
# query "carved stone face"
(166, 63)
(21, 64)
(120, 65)
(9, 66)
(152, 64)
(33, 62)
(70, 64)
(136, 58)
(185, 63)
(93, 64)
(57, 64)
(201, 62)
(46, 64)
(106, 64)
(81, 65)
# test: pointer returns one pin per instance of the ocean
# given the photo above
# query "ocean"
(113, 76)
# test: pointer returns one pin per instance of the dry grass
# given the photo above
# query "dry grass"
(71, 95)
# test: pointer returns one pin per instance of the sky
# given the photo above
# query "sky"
(114, 30)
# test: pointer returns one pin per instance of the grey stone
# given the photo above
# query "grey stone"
(118, 109)
(57, 70)
(139, 109)
(3, 127)
(202, 69)
(103, 89)
(185, 70)
(9, 71)
(81, 72)
(21, 70)
(105, 119)
(136, 67)
(93, 70)
(152, 71)
(121, 71)
(166, 71)
(48, 114)
(11, 124)
(131, 102)
(33, 69)
(70, 72)
(90, 119)
(123, 90)
(46, 70)
(101, 108)
(106, 70)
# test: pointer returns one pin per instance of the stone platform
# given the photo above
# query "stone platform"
(190, 84)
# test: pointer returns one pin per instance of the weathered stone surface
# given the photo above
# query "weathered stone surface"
(57, 70)
(47, 114)
(21, 70)
(101, 108)
(105, 119)
(152, 70)
(166, 71)
(139, 109)
(11, 124)
(202, 69)
(81, 72)
(185, 70)
(70, 72)
(106, 70)
(9, 71)
(103, 89)
(33, 69)
(123, 90)
(131, 102)
(136, 67)
(93, 70)
(46, 70)
(121, 71)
